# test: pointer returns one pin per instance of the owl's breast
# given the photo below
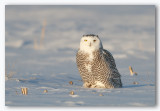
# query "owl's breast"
(87, 62)
(99, 64)
(91, 60)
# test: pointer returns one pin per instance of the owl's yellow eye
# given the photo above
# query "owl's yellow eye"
(85, 40)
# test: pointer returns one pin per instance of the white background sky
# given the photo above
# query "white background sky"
(61, 2)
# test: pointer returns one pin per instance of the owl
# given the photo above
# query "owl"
(96, 65)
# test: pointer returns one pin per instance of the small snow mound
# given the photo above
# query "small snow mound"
(137, 104)
(14, 44)
(74, 96)
(72, 103)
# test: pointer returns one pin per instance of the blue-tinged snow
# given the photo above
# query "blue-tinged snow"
(128, 32)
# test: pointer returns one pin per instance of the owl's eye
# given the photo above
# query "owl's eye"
(94, 40)
(85, 40)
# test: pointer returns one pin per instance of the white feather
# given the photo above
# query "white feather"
(99, 84)
(88, 67)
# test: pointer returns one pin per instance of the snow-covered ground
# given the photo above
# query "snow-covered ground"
(128, 32)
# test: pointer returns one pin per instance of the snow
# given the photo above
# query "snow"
(128, 32)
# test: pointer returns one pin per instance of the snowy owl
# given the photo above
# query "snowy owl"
(96, 65)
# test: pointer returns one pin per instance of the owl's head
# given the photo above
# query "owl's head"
(90, 42)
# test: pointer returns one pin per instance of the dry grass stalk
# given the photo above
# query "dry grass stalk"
(11, 73)
(131, 71)
(45, 91)
(24, 91)
(71, 93)
(70, 82)
(42, 34)
(100, 94)
(135, 83)
(40, 45)
(35, 44)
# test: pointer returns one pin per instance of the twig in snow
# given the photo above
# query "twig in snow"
(131, 71)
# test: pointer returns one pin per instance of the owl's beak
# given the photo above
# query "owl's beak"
(90, 44)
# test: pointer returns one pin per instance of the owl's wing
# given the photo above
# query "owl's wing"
(109, 59)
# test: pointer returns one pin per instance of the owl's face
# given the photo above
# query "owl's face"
(90, 43)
